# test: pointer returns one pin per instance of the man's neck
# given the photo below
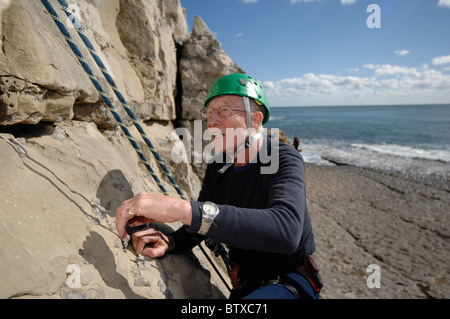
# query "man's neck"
(248, 154)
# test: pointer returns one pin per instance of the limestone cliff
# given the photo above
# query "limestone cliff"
(65, 166)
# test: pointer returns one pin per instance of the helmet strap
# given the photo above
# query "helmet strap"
(248, 112)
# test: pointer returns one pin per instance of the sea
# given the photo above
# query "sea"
(412, 139)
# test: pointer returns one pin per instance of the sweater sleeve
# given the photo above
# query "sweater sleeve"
(184, 241)
(277, 228)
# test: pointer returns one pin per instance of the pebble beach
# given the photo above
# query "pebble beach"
(400, 224)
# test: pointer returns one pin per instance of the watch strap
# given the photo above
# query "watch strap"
(206, 222)
(204, 228)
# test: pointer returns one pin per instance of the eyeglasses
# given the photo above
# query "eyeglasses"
(223, 111)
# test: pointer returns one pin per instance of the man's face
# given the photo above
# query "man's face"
(227, 133)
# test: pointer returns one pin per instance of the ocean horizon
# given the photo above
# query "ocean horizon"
(412, 139)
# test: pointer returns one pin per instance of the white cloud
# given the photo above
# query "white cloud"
(386, 84)
(344, 2)
(388, 69)
(295, 1)
(239, 35)
(268, 84)
(441, 59)
(401, 52)
(371, 66)
(444, 3)
(250, 1)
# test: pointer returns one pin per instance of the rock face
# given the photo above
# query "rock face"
(136, 40)
(59, 193)
(65, 166)
(203, 63)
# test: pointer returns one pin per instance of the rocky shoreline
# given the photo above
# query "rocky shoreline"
(363, 217)
(65, 168)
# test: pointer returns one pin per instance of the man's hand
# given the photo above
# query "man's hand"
(149, 208)
(152, 243)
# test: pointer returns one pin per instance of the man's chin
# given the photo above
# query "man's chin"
(220, 146)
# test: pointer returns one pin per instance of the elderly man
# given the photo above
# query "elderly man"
(260, 213)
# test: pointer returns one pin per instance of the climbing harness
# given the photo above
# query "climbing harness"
(247, 279)
(215, 247)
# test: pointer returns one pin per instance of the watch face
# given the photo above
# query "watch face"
(210, 209)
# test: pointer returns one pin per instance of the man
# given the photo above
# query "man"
(254, 205)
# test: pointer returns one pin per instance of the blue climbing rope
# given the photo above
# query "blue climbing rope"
(215, 247)
(100, 90)
(119, 95)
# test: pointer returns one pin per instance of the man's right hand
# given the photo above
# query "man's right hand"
(152, 243)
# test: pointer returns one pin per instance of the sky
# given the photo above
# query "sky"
(336, 52)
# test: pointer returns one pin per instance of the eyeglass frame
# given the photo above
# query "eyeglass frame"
(205, 116)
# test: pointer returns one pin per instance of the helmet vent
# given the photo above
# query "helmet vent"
(244, 82)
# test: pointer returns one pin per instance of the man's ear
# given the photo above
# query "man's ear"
(257, 119)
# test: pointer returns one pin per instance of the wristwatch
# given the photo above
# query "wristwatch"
(209, 212)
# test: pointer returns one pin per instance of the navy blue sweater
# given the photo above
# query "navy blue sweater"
(263, 217)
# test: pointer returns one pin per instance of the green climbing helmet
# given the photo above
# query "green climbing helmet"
(239, 84)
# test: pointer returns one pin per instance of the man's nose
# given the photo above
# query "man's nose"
(214, 119)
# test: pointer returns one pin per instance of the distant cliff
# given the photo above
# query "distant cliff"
(65, 165)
